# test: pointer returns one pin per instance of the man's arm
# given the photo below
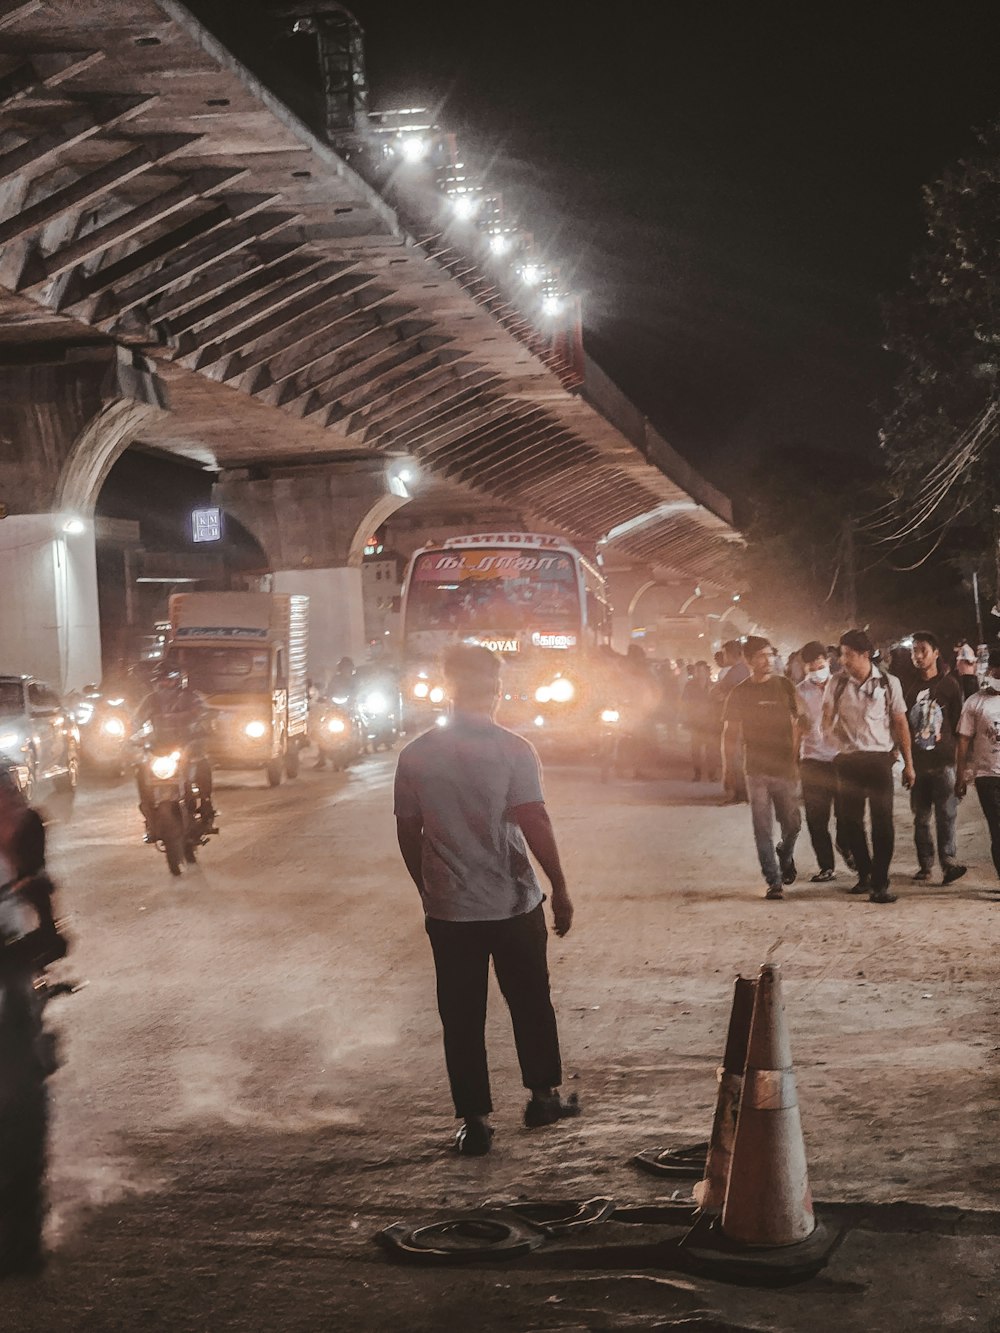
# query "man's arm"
(409, 835)
(533, 820)
(900, 728)
(961, 763)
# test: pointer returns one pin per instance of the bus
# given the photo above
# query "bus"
(533, 599)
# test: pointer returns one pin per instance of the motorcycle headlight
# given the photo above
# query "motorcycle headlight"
(376, 703)
(610, 715)
(421, 690)
(255, 730)
(437, 695)
(113, 726)
(336, 725)
(562, 690)
(164, 766)
(543, 694)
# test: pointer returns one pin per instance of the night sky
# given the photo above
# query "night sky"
(731, 186)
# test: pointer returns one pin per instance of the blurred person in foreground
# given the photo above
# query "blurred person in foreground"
(934, 704)
(766, 709)
(979, 750)
(864, 713)
(468, 797)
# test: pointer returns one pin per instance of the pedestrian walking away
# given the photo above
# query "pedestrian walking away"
(765, 708)
(816, 765)
(864, 713)
(979, 751)
(700, 710)
(468, 797)
(933, 706)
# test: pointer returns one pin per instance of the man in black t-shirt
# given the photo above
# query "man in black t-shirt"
(933, 707)
(768, 710)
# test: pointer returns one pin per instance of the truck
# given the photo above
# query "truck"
(246, 653)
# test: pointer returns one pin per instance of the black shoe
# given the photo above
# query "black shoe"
(775, 894)
(547, 1110)
(922, 876)
(788, 872)
(881, 895)
(953, 873)
(862, 886)
(822, 877)
(474, 1139)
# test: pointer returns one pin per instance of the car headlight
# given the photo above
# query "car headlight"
(610, 715)
(113, 726)
(336, 724)
(421, 690)
(543, 694)
(562, 690)
(376, 703)
(255, 730)
(164, 766)
(10, 740)
(437, 695)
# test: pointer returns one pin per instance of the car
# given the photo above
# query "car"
(38, 734)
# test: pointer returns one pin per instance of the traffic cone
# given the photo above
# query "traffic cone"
(710, 1193)
(767, 1233)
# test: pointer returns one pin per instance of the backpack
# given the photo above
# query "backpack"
(881, 683)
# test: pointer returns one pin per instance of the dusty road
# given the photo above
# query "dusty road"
(254, 1083)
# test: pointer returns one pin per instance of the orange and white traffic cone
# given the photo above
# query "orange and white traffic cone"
(767, 1233)
(710, 1193)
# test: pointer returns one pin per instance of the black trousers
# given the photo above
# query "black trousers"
(988, 791)
(462, 952)
(819, 796)
(861, 778)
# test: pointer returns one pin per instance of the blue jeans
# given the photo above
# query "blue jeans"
(933, 796)
(770, 798)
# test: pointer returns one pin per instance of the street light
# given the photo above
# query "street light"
(73, 527)
(499, 244)
(465, 207)
(553, 306)
(413, 148)
(532, 274)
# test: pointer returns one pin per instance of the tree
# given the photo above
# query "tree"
(940, 438)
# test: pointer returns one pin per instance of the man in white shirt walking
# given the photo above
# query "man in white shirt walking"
(816, 764)
(979, 751)
(865, 716)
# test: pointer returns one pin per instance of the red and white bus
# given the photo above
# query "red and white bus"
(532, 598)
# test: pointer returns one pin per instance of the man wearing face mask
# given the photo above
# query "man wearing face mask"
(818, 751)
(979, 750)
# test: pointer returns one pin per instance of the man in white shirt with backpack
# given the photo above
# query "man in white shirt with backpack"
(865, 715)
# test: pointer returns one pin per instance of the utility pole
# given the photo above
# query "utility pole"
(850, 576)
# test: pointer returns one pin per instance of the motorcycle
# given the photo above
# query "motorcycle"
(103, 727)
(176, 819)
(380, 708)
(28, 1056)
(338, 732)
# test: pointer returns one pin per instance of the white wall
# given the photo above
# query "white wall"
(50, 623)
(336, 614)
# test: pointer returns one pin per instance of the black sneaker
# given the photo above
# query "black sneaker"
(821, 877)
(788, 872)
(862, 886)
(953, 873)
(547, 1110)
(775, 894)
(922, 876)
(881, 896)
(474, 1139)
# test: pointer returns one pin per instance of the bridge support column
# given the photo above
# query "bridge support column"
(63, 424)
(313, 521)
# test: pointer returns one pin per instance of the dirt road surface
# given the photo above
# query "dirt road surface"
(254, 1083)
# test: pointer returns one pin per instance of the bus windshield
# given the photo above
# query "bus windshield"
(225, 670)
(496, 592)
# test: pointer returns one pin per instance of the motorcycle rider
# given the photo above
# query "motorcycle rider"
(178, 715)
(29, 941)
(340, 690)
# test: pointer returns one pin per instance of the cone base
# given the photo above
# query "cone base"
(680, 1163)
(708, 1251)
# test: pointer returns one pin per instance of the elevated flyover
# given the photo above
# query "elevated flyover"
(184, 264)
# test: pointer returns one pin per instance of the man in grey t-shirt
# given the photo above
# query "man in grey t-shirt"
(469, 803)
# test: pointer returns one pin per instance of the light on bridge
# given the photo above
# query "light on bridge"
(73, 527)
(532, 274)
(465, 207)
(553, 306)
(413, 148)
(499, 244)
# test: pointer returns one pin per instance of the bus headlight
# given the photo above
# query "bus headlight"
(562, 690)
(543, 694)
(610, 715)
(255, 730)
(336, 725)
(164, 766)
(437, 695)
(113, 726)
(421, 690)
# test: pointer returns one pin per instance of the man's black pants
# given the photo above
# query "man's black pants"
(462, 952)
(867, 776)
(988, 791)
(819, 796)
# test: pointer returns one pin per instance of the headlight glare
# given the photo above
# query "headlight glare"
(421, 690)
(543, 694)
(610, 715)
(376, 703)
(562, 690)
(113, 726)
(255, 730)
(336, 725)
(164, 766)
(437, 695)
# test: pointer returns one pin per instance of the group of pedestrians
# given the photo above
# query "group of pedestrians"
(837, 738)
